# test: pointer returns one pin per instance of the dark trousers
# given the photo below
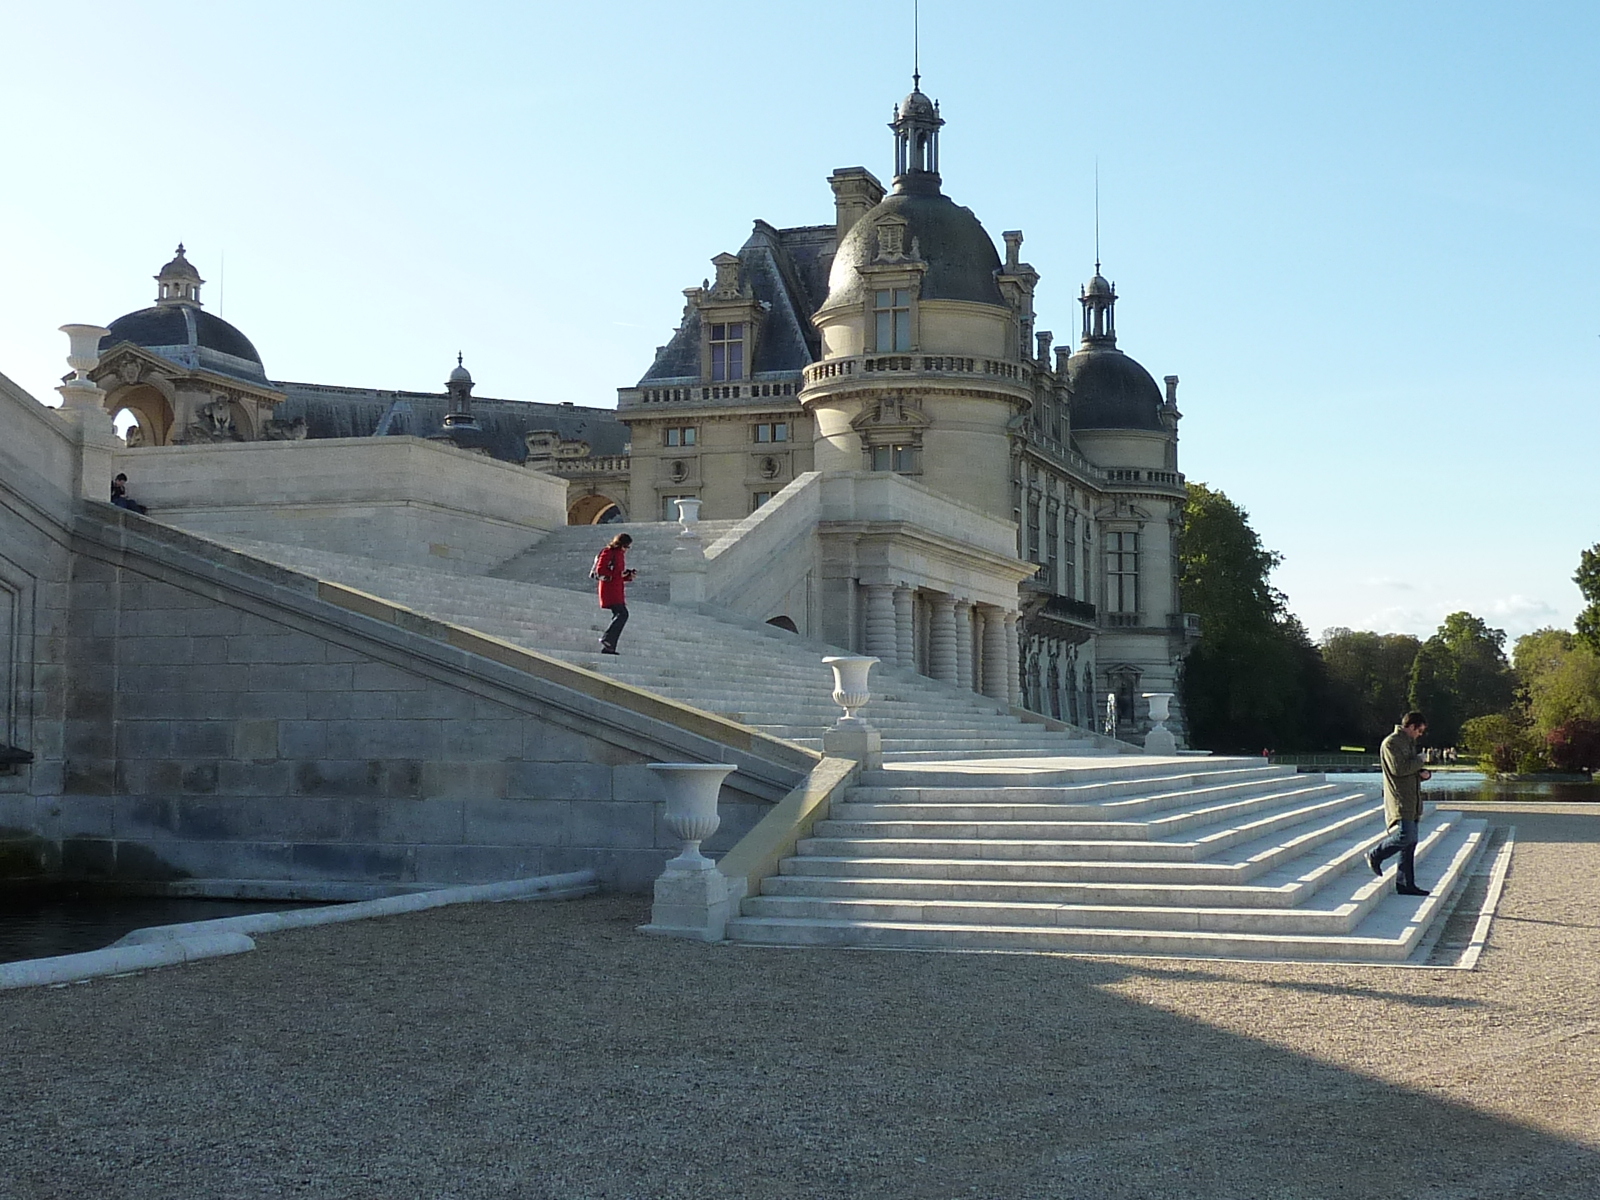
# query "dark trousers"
(130, 505)
(1402, 840)
(619, 618)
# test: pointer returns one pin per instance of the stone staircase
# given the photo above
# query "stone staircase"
(753, 673)
(982, 832)
(562, 558)
(1199, 858)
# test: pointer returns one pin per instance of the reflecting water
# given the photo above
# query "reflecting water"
(64, 920)
(1448, 787)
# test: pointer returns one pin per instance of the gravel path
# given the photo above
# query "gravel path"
(550, 1051)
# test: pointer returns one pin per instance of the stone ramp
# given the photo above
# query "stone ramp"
(562, 557)
(741, 669)
(1209, 858)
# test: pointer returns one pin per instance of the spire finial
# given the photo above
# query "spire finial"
(180, 249)
(916, 46)
(458, 358)
(1097, 214)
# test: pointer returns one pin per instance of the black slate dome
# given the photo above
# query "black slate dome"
(961, 259)
(1109, 390)
(191, 337)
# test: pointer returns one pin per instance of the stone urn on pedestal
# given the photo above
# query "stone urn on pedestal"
(691, 896)
(83, 404)
(686, 581)
(1160, 740)
(850, 736)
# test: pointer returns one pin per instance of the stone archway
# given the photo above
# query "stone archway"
(595, 509)
(151, 412)
(785, 623)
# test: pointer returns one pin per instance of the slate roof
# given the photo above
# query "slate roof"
(1109, 390)
(787, 270)
(334, 412)
(189, 336)
(961, 259)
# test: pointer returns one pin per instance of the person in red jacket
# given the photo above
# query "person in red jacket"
(611, 569)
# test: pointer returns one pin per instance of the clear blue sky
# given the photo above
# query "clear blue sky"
(1364, 234)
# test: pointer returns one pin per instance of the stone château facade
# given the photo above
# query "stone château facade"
(897, 339)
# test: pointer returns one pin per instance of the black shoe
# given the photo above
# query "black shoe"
(1411, 891)
(1372, 861)
(604, 649)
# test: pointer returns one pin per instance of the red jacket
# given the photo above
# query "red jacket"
(611, 567)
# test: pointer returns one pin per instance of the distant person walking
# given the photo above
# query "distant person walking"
(611, 569)
(120, 497)
(1403, 775)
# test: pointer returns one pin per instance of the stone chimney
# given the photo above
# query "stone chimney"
(856, 191)
(1045, 338)
(1013, 239)
(1062, 354)
(1172, 390)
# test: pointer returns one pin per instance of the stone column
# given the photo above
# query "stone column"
(904, 639)
(962, 618)
(942, 640)
(880, 623)
(1013, 656)
(994, 654)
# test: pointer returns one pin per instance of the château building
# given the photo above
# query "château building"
(898, 339)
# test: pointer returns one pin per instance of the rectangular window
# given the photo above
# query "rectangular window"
(727, 352)
(669, 510)
(1069, 565)
(892, 308)
(757, 499)
(680, 435)
(893, 458)
(772, 431)
(1122, 572)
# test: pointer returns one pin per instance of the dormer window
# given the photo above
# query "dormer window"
(891, 308)
(727, 351)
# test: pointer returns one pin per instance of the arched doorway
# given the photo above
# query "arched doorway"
(595, 510)
(143, 407)
(784, 623)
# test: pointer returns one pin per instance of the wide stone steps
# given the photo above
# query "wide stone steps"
(563, 556)
(1336, 906)
(1033, 842)
(764, 678)
(1348, 916)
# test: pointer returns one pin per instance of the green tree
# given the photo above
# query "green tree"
(1459, 673)
(1560, 678)
(1588, 581)
(1255, 680)
(1371, 675)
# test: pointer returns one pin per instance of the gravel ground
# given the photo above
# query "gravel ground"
(548, 1050)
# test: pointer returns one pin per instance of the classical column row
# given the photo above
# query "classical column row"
(968, 645)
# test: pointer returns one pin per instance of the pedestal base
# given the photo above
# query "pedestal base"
(690, 904)
(856, 740)
(1160, 741)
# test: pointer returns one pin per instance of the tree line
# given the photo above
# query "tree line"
(1258, 681)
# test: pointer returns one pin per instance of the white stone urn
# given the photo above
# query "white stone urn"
(688, 516)
(851, 689)
(85, 347)
(691, 790)
(1160, 740)
(80, 393)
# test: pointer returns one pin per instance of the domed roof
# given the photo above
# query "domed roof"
(190, 337)
(961, 259)
(916, 105)
(1110, 391)
(1098, 286)
(460, 374)
(180, 268)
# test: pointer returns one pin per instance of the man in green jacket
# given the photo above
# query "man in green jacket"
(1403, 773)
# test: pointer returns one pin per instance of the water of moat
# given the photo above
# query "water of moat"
(64, 919)
(67, 919)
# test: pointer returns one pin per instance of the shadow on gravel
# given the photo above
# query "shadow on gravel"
(520, 1051)
(1311, 987)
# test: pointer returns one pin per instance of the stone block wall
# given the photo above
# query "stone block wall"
(207, 741)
